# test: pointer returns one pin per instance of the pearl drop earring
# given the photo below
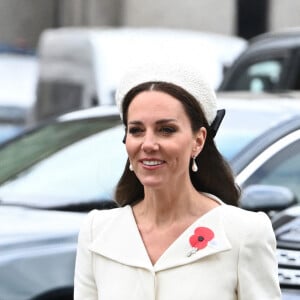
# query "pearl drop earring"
(130, 167)
(194, 165)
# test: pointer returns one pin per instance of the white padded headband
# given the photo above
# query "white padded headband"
(184, 76)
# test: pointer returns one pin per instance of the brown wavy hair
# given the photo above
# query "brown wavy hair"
(215, 176)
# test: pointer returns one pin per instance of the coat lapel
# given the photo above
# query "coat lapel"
(120, 240)
(179, 252)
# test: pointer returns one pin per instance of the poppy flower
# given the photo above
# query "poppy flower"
(202, 235)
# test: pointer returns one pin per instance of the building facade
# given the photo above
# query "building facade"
(22, 21)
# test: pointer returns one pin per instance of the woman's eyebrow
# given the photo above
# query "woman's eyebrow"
(161, 121)
(165, 121)
(135, 122)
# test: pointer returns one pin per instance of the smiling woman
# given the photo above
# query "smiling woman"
(177, 217)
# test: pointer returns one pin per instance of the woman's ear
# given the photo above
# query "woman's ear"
(200, 137)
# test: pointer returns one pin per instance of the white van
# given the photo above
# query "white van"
(80, 67)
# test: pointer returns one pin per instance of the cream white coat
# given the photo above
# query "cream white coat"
(238, 264)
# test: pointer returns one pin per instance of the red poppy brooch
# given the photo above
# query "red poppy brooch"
(200, 239)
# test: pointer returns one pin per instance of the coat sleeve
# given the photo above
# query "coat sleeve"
(258, 267)
(84, 283)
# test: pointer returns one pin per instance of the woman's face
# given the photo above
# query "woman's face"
(160, 141)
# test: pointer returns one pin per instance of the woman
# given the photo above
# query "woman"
(178, 233)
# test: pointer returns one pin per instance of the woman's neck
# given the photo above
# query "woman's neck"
(165, 207)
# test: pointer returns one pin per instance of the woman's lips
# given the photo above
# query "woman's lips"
(151, 163)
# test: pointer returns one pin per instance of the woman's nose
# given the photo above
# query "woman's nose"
(149, 143)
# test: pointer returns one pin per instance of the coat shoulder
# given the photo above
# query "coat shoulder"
(100, 218)
(242, 222)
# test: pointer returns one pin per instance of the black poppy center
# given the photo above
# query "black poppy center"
(200, 238)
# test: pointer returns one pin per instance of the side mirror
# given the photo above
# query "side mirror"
(267, 198)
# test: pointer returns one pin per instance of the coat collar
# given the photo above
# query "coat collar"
(120, 240)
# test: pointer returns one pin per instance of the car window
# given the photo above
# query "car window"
(33, 147)
(282, 169)
(259, 76)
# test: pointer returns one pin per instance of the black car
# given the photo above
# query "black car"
(270, 63)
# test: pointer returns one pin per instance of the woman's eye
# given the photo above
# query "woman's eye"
(135, 130)
(167, 130)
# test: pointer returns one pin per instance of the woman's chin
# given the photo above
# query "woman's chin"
(153, 183)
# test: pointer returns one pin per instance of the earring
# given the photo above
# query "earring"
(194, 165)
(130, 167)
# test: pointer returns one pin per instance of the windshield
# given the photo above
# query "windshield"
(63, 163)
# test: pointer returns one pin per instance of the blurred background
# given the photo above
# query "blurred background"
(21, 22)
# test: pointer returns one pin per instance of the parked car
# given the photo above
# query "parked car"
(270, 63)
(52, 174)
